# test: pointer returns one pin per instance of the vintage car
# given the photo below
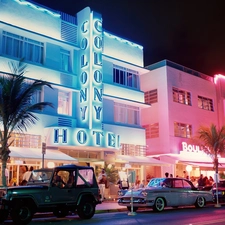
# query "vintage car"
(165, 192)
(221, 191)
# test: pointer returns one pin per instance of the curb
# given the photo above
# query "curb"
(50, 214)
(110, 210)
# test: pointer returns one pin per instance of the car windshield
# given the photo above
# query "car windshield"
(155, 182)
(40, 176)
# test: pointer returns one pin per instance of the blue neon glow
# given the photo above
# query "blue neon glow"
(123, 40)
(21, 2)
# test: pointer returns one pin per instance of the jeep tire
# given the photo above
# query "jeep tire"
(21, 214)
(86, 210)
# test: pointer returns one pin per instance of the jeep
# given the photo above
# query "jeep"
(63, 189)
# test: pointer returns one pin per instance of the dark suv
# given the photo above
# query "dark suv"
(60, 190)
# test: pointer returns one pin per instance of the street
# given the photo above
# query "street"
(181, 216)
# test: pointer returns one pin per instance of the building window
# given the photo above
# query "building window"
(126, 114)
(64, 103)
(133, 150)
(65, 60)
(21, 47)
(181, 96)
(182, 130)
(151, 96)
(126, 77)
(36, 97)
(25, 140)
(151, 130)
(205, 103)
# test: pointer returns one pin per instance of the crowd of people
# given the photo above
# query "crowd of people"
(202, 181)
(205, 181)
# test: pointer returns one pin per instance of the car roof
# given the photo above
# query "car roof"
(72, 166)
(64, 167)
(170, 178)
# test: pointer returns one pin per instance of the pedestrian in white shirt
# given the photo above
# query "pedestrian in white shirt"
(27, 174)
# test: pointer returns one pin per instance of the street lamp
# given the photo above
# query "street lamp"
(189, 169)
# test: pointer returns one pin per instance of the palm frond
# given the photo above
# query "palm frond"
(212, 141)
(16, 108)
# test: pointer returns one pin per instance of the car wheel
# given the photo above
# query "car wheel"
(21, 214)
(86, 210)
(134, 208)
(3, 215)
(200, 202)
(61, 212)
(159, 205)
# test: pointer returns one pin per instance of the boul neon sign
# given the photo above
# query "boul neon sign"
(191, 148)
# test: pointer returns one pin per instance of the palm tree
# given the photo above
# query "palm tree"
(212, 141)
(16, 108)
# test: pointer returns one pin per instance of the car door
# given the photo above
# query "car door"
(180, 195)
(60, 191)
(168, 191)
(191, 193)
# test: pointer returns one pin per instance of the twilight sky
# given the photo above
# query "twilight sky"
(188, 32)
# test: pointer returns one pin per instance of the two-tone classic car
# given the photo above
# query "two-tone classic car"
(165, 192)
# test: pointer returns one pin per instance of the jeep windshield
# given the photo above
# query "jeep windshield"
(40, 176)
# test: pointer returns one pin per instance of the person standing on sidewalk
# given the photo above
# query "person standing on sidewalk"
(102, 179)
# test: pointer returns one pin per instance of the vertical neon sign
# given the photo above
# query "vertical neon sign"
(97, 77)
(90, 99)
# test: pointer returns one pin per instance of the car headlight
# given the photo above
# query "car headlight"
(144, 193)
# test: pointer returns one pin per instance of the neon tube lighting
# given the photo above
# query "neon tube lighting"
(218, 76)
(123, 40)
(21, 2)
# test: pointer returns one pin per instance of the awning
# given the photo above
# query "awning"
(140, 160)
(192, 159)
(208, 165)
(31, 153)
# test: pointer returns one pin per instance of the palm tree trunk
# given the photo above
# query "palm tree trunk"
(3, 173)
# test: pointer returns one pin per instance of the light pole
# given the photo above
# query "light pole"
(43, 153)
(217, 205)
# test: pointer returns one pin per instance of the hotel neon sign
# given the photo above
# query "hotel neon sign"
(84, 137)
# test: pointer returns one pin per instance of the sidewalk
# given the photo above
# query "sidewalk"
(110, 206)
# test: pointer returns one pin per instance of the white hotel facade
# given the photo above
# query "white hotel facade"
(108, 108)
(95, 75)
